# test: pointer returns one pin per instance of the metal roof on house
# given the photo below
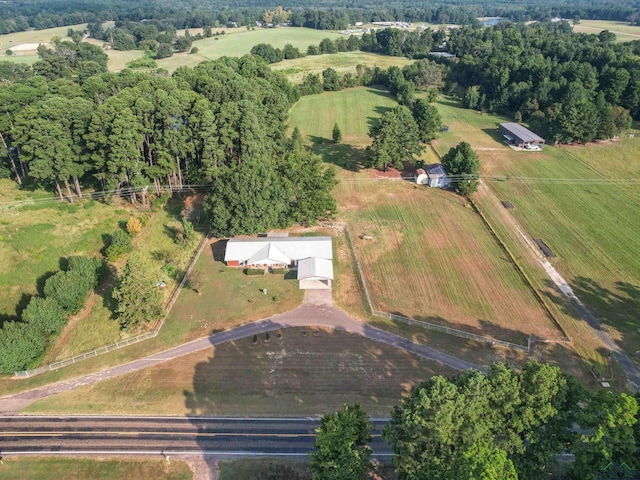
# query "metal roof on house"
(315, 268)
(523, 133)
(435, 171)
(293, 248)
(269, 254)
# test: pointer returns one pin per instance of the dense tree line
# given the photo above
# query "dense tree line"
(569, 87)
(139, 133)
(21, 15)
(502, 425)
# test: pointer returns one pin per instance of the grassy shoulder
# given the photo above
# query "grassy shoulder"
(36, 468)
(296, 371)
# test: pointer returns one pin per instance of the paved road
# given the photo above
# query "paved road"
(316, 311)
(165, 435)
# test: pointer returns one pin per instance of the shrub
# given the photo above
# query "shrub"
(134, 226)
(69, 289)
(92, 269)
(282, 271)
(45, 315)
(188, 232)
(119, 245)
(20, 345)
(254, 271)
(195, 50)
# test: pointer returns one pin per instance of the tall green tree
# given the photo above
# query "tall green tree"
(395, 140)
(609, 420)
(341, 451)
(139, 299)
(427, 118)
(336, 133)
(484, 425)
(462, 165)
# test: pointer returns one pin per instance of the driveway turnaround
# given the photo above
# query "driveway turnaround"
(316, 311)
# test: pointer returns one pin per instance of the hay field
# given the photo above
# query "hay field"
(623, 30)
(589, 223)
(342, 62)
(298, 371)
(432, 258)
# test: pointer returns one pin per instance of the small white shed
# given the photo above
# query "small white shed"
(421, 177)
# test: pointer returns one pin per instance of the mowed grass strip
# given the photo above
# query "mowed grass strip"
(565, 200)
(297, 371)
(37, 468)
(432, 258)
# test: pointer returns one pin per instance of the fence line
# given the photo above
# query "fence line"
(423, 324)
(129, 341)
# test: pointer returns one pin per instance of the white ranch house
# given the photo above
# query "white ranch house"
(312, 257)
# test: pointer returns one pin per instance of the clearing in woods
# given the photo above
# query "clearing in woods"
(576, 200)
(296, 371)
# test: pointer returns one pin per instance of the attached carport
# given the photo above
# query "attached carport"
(315, 273)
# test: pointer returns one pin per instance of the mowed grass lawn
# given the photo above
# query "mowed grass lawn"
(37, 468)
(37, 233)
(10, 40)
(591, 225)
(297, 371)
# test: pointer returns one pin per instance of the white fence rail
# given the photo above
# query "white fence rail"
(128, 341)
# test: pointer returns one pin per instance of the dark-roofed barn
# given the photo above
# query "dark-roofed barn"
(520, 136)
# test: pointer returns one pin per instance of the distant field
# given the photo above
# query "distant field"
(624, 32)
(51, 468)
(343, 62)
(592, 227)
(238, 42)
(11, 40)
(299, 371)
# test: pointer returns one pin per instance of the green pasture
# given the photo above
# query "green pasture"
(10, 40)
(237, 42)
(623, 30)
(51, 468)
(566, 198)
(354, 110)
(40, 231)
(342, 62)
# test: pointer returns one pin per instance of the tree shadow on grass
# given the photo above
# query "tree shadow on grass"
(340, 154)
(25, 298)
(604, 307)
